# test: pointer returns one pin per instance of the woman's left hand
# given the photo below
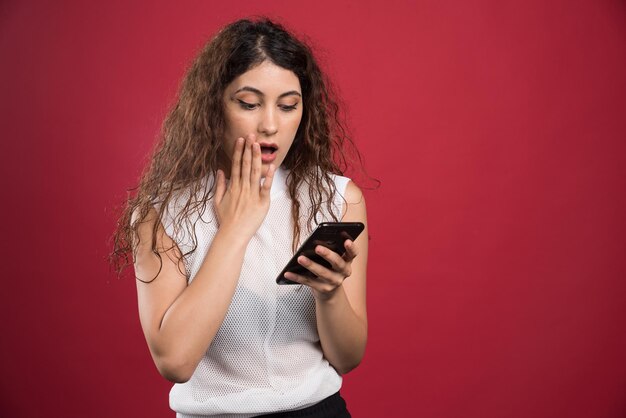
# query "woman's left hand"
(326, 280)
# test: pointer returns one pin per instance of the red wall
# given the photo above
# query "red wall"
(496, 285)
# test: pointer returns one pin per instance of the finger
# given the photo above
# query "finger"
(351, 250)
(296, 278)
(235, 170)
(322, 273)
(257, 165)
(246, 163)
(267, 183)
(335, 260)
(220, 187)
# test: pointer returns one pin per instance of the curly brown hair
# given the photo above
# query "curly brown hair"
(190, 140)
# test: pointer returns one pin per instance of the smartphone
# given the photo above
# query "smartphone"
(331, 235)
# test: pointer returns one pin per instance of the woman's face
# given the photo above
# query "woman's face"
(265, 101)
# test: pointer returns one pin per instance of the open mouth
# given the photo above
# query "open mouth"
(268, 149)
(268, 152)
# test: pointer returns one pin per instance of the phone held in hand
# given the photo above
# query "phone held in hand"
(331, 235)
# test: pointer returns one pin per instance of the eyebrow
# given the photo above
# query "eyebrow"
(260, 93)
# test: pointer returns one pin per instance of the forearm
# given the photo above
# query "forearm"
(343, 334)
(191, 322)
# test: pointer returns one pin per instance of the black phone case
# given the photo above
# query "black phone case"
(331, 235)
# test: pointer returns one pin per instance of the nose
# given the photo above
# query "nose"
(268, 125)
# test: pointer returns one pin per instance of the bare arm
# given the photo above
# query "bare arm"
(179, 320)
(340, 292)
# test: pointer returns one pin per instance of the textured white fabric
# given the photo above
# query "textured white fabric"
(266, 356)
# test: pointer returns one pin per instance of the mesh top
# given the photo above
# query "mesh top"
(266, 356)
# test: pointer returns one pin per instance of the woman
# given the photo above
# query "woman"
(247, 164)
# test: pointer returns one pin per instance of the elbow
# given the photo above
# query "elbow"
(175, 376)
(175, 363)
(175, 370)
(348, 367)
(349, 364)
(350, 359)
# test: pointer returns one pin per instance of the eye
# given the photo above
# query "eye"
(288, 108)
(246, 105)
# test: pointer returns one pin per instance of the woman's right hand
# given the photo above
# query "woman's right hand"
(242, 205)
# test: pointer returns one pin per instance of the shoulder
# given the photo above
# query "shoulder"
(341, 183)
(347, 189)
(353, 193)
(354, 208)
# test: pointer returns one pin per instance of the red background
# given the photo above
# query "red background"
(496, 280)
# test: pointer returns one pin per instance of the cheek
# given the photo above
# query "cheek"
(228, 146)
(237, 125)
(294, 123)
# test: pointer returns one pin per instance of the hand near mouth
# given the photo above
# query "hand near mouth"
(242, 205)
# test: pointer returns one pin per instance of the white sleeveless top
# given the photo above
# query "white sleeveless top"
(266, 356)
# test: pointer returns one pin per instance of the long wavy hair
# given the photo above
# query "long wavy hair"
(190, 140)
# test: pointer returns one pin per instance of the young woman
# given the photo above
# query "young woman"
(250, 159)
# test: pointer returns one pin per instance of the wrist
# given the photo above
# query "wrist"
(232, 238)
(328, 298)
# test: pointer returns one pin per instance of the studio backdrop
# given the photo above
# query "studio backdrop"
(497, 130)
